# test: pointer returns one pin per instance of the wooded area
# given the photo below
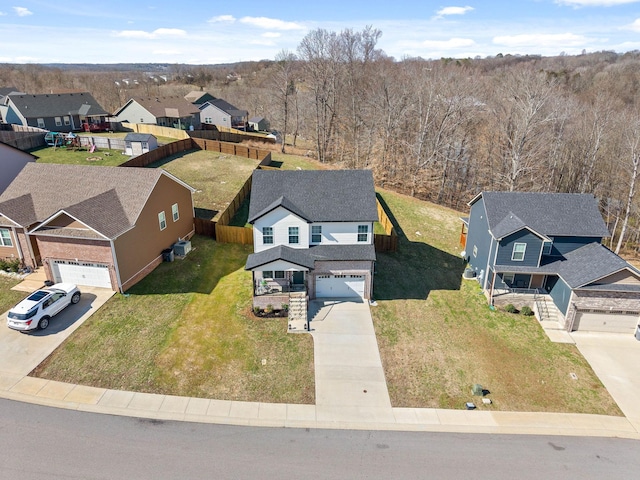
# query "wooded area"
(441, 130)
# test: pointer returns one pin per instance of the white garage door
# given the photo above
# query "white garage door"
(339, 286)
(81, 273)
(606, 321)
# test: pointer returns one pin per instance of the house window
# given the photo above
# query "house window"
(58, 122)
(41, 123)
(267, 274)
(174, 212)
(267, 235)
(316, 234)
(293, 235)
(162, 220)
(279, 274)
(363, 233)
(546, 248)
(67, 120)
(145, 145)
(5, 237)
(208, 120)
(508, 278)
(475, 251)
(518, 252)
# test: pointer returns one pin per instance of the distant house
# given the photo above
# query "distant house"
(12, 160)
(259, 124)
(139, 143)
(546, 247)
(94, 226)
(198, 97)
(58, 112)
(4, 93)
(222, 114)
(175, 112)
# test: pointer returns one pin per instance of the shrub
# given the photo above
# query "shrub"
(510, 308)
(256, 310)
(285, 307)
(269, 308)
(526, 310)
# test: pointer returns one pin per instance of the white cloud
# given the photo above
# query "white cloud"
(453, 11)
(271, 23)
(271, 35)
(22, 11)
(167, 51)
(594, 3)
(158, 33)
(635, 26)
(2, 13)
(222, 19)
(540, 40)
(447, 44)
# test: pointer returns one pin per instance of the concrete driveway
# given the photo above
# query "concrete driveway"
(350, 381)
(615, 358)
(22, 352)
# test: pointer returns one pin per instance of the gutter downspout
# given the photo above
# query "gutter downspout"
(115, 265)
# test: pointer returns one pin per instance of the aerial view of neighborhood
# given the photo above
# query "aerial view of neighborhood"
(397, 255)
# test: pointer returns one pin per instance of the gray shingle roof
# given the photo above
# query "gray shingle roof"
(108, 199)
(551, 214)
(315, 195)
(307, 257)
(169, 107)
(138, 137)
(580, 267)
(57, 104)
(227, 107)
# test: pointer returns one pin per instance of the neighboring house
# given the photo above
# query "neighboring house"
(175, 112)
(57, 112)
(4, 93)
(312, 233)
(96, 226)
(139, 143)
(547, 245)
(259, 124)
(222, 114)
(198, 97)
(12, 160)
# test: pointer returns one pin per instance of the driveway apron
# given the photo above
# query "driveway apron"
(350, 381)
(22, 352)
(615, 358)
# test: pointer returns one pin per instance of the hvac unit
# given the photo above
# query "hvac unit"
(182, 247)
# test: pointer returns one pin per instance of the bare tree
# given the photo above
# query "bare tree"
(283, 81)
(631, 162)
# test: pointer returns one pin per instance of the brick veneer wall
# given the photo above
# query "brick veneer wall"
(593, 300)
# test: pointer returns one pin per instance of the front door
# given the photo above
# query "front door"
(298, 278)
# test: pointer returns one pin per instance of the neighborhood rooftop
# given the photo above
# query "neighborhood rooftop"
(48, 105)
(546, 213)
(315, 195)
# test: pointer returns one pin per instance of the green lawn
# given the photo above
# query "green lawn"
(101, 157)
(187, 329)
(8, 297)
(437, 336)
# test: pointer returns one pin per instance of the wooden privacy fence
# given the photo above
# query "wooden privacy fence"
(229, 234)
(389, 241)
(159, 153)
(156, 130)
(234, 205)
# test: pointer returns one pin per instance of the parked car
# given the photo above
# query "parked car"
(41, 306)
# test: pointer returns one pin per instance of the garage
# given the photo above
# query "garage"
(81, 273)
(340, 286)
(613, 321)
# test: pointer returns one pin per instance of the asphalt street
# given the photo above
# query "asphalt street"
(39, 442)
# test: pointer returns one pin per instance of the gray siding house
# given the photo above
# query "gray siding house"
(174, 112)
(222, 114)
(547, 246)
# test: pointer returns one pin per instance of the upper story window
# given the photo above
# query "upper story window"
(58, 122)
(293, 235)
(174, 212)
(546, 248)
(267, 235)
(518, 252)
(162, 220)
(41, 123)
(316, 234)
(5, 237)
(67, 120)
(363, 233)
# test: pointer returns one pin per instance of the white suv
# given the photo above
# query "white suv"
(37, 309)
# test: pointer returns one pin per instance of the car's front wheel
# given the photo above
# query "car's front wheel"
(76, 298)
(44, 323)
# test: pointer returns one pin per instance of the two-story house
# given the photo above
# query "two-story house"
(312, 232)
(221, 113)
(547, 245)
(174, 112)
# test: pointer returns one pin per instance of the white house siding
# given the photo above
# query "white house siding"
(280, 219)
(217, 117)
(343, 233)
(280, 265)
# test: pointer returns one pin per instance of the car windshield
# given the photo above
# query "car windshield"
(37, 296)
(23, 316)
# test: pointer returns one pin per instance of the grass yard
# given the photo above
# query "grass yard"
(217, 177)
(8, 297)
(161, 140)
(80, 157)
(437, 336)
(187, 329)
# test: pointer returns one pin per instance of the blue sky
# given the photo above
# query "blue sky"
(213, 31)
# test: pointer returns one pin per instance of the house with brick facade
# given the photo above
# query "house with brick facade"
(312, 234)
(94, 226)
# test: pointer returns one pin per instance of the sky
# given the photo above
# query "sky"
(214, 32)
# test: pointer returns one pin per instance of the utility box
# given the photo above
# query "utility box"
(167, 255)
(477, 390)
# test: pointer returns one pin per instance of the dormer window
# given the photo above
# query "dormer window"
(546, 248)
(316, 234)
(518, 252)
